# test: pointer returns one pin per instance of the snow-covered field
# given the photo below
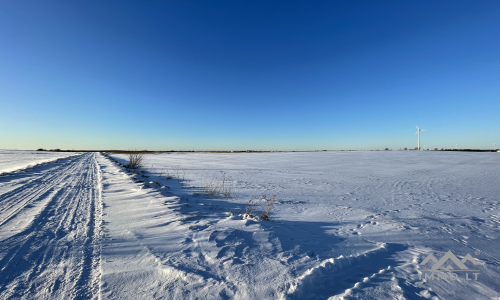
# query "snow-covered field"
(346, 225)
(12, 160)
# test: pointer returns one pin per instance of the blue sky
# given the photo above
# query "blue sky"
(237, 75)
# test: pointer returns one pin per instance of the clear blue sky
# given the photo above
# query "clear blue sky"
(212, 75)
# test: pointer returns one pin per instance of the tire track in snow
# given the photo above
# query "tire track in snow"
(58, 254)
(36, 187)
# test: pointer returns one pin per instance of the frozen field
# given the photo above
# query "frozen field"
(346, 225)
(11, 160)
(385, 210)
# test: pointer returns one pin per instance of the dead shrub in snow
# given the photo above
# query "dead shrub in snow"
(268, 205)
(251, 206)
(135, 160)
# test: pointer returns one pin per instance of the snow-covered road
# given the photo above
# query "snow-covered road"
(50, 231)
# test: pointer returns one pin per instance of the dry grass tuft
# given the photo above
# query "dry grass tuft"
(219, 187)
(251, 206)
(268, 205)
(135, 160)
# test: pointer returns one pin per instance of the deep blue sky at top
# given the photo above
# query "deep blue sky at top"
(249, 74)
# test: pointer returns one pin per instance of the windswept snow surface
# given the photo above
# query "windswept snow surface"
(347, 225)
(12, 160)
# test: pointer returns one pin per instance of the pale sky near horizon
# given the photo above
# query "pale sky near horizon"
(280, 75)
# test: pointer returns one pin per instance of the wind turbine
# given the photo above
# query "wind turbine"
(495, 146)
(418, 132)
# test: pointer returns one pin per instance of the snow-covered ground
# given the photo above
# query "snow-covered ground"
(346, 225)
(12, 160)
